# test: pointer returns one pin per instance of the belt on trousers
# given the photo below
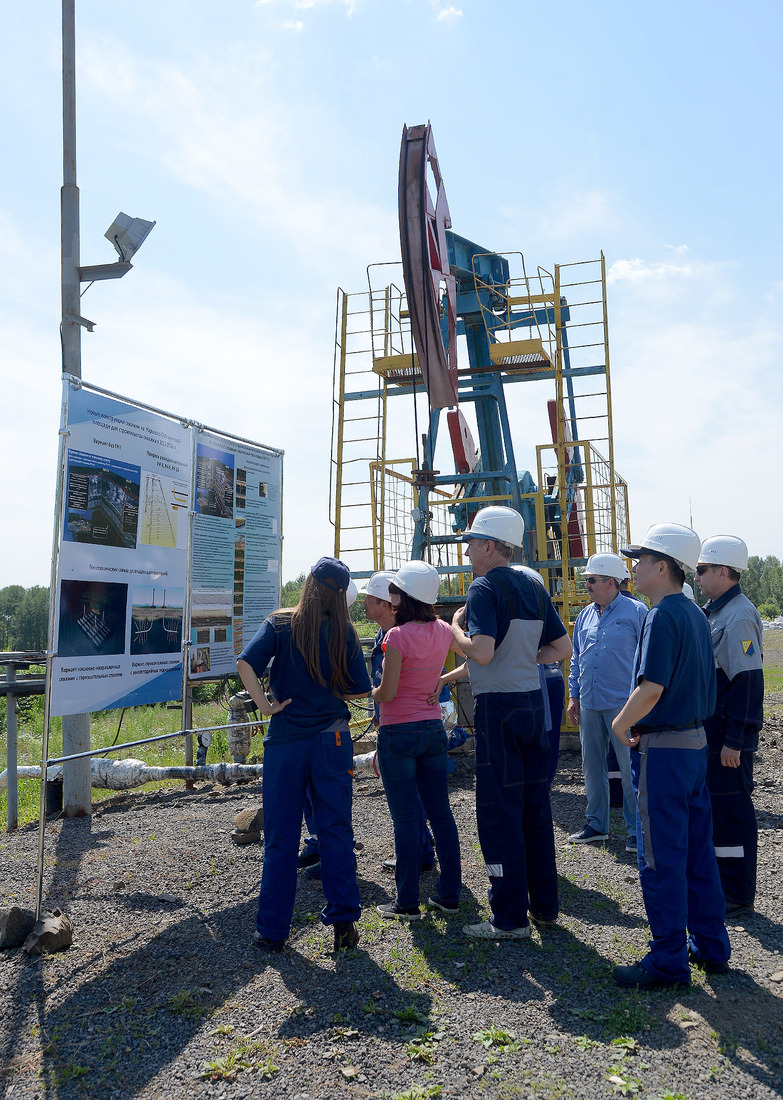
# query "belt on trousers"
(668, 729)
(672, 741)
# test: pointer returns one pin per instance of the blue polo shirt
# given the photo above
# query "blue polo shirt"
(313, 708)
(520, 616)
(676, 651)
(605, 643)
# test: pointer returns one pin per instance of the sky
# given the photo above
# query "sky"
(263, 138)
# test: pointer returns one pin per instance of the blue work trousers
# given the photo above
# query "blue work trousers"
(512, 806)
(412, 758)
(311, 840)
(595, 735)
(735, 831)
(677, 866)
(322, 764)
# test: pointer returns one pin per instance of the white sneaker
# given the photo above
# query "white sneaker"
(486, 930)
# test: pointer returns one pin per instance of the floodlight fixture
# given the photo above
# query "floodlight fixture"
(128, 235)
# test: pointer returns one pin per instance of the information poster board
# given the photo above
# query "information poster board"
(122, 567)
(123, 588)
(235, 576)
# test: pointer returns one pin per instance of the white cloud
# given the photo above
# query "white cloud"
(449, 14)
(638, 270)
(298, 25)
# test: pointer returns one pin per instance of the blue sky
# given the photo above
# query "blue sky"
(263, 137)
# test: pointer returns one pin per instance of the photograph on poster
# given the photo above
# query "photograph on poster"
(199, 661)
(240, 498)
(164, 509)
(92, 618)
(102, 501)
(214, 482)
(156, 619)
(210, 608)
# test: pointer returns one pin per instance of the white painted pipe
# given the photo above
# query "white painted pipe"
(121, 775)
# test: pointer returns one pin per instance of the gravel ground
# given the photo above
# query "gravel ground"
(163, 994)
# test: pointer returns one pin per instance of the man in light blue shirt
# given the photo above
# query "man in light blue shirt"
(606, 634)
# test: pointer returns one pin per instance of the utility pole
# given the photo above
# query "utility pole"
(127, 235)
(77, 793)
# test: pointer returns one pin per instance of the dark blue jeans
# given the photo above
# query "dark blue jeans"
(412, 759)
(324, 765)
(512, 806)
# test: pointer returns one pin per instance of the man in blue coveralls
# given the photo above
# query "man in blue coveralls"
(733, 730)
(606, 634)
(507, 627)
(663, 722)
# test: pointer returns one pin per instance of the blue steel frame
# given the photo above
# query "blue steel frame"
(484, 387)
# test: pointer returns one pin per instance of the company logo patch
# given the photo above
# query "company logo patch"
(747, 648)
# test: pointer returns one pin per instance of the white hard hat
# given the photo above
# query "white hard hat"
(724, 550)
(351, 592)
(626, 572)
(606, 565)
(688, 592)
(419, 580)
(532, 573)
(377, 585)
(672, 539)
(498, 523)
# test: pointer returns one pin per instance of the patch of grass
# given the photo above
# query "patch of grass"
(582, 1042)
(418, 1092)
(497, 1038)
(187, 1003)
(243, 1054)
(409, 1014)
(64, 1074)
(728, 1045)
(628, 1016)
(625, 1044)
(422, 1048)
(623, 1085)
(773, 679)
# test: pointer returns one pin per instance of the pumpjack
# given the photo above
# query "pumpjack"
(457, 327)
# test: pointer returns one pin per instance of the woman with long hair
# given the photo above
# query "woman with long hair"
(412, 743)
(318, 666)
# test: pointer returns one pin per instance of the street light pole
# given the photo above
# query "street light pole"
(77, 795)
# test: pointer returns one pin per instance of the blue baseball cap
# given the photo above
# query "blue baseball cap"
(333, 573)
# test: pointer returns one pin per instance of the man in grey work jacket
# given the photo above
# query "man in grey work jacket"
(606, 634)
(733, 730)
(508, 626)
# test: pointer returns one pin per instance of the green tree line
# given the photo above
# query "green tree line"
(763, 585)
(24, 618)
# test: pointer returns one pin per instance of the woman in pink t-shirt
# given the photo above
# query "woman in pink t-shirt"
(412, 743)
